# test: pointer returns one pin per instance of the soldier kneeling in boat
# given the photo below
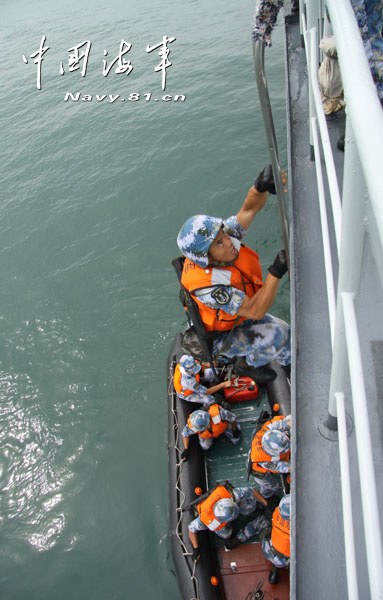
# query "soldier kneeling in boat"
(219, 508)
(208, 425)
(270, 454)
(187, 384)
(275, 537)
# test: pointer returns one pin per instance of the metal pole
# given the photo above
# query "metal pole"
(363, 106)
(327, 29)
(350, 264)
(264, 100)
(309, 21)
(326, 144)
(325, 233)
(365, 458)
(349, 542)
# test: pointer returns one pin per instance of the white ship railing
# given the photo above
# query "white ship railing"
(363, 178)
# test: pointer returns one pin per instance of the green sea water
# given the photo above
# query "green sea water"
(93, 193)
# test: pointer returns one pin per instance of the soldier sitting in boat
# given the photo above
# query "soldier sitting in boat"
(224, 277)
(187, 382)
(208, 425)
(275, 537)
(270, 454)
(219, 508)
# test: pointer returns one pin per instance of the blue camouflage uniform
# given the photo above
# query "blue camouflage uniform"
(369, 14)
(207, 443)
(199, 395)
(262, 526)
(265, 19)
(260, 341)
(268, 483)
(246, 503)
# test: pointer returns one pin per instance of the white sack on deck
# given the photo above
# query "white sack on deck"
(329, 77)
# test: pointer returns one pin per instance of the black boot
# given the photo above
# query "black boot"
(260, 374)
(232, 542)
(272, 502)
(274, 576)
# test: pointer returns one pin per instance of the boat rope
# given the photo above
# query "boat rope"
(180, 494)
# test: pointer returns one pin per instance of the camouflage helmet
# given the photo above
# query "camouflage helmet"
(196, 236)
(284, 507)
(275, 442)
(226, 510)
(199, 420)
(189, 363)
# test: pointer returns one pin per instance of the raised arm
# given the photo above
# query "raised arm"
(257, 306)
(253, 203)
(257, 196)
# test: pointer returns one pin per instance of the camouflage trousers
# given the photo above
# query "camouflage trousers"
(207, 443)
(267, 484)
(262, 527)
(258, 341)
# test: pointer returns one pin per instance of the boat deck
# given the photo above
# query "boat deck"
(228, 461)
(244, 569)
(318, 556)
(235, 567)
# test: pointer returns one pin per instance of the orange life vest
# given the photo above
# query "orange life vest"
(217, 426)
(177, 382)
(206, 508)
(246, 275)
(257, 453)
(280, 533)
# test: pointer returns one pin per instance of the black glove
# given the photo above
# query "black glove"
(279, 266)
(265, 181)
(264, 416)
(185, 454)
(236, 434)
(196, 554)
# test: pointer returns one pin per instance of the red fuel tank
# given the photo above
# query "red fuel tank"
(242, 389)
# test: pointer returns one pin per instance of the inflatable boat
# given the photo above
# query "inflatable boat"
(219, 573)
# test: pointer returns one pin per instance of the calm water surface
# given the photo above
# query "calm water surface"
(93, 195)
